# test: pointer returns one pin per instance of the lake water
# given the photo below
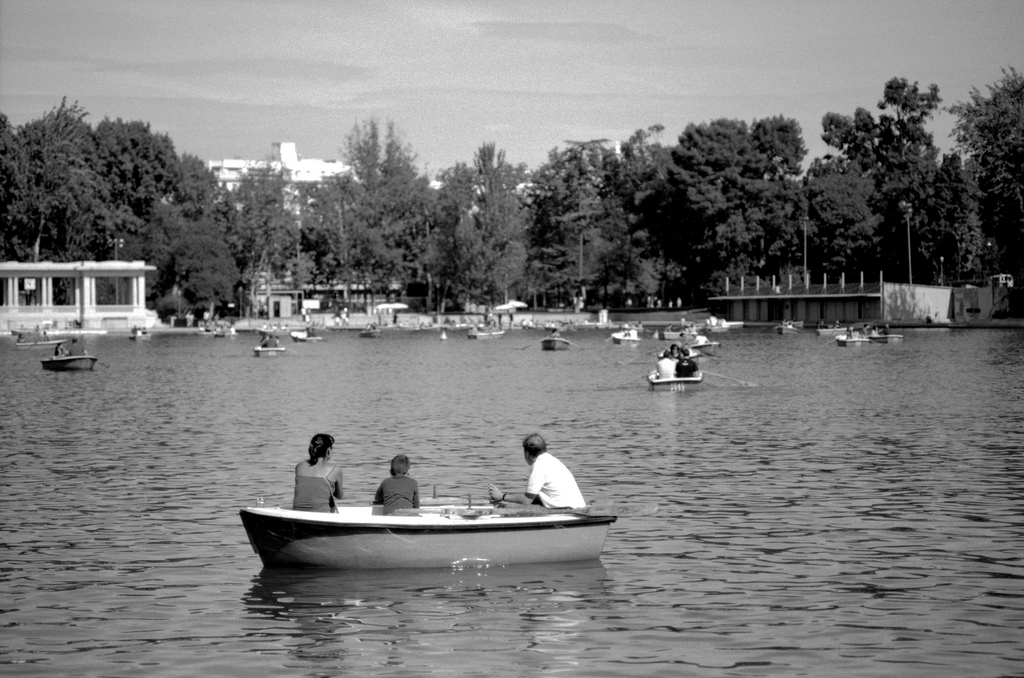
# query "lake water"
(854, 512)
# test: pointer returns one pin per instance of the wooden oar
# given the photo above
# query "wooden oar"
(618, 510)
(442, 501)
(528, 511)
(630, 381)
(748, 384)
(530, 344)
(636, 358)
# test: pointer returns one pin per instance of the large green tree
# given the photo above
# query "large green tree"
(841, 222)
(566, 206)
(388, 225)
(59, 203)
(263, 230)
(897, 153)
(735, 199)
(141, 170)
(990, 129)
(477, 251)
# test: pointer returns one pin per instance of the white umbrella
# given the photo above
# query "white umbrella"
(510, 306)
(389, 307)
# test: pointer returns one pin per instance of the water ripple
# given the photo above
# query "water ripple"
(858, 512)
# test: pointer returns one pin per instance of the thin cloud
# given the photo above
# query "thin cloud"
(570, 32)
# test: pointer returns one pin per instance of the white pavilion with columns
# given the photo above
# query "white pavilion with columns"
(83, 296)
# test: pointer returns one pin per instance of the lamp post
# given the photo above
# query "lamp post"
(805, 247)
(907, 211)
(942, 270)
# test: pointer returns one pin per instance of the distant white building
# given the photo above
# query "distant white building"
(229, 172)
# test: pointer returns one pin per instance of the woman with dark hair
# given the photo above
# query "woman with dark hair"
(317, 484)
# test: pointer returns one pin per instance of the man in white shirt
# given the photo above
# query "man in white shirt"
(667, 362)
(551, 484)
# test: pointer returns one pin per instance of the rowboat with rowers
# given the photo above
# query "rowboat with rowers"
(677, 384)
(69, 363)
(363, 538)
(627, 336)
(483, 333)
(304, 336)
(555, 344)
(703, 345)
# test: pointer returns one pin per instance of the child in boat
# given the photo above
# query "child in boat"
(398, 491)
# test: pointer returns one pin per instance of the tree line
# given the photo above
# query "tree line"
(600, 222)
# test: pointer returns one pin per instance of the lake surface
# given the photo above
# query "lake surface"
(852, 511)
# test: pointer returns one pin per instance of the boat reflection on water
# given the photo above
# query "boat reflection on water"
(355, 615)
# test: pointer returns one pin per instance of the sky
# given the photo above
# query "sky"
(228, 78)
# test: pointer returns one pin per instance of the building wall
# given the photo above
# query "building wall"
(980, 303)
(901, 301)
(87, 311)
(229, 171)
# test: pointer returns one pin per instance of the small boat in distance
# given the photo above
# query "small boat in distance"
(554, 344)
(714, 324)
(269, 346)
(69, 363)
(304, 335)
(139, 334)
(627, 335)
(42, 343)
(885, 338)
(370, 332)
(677, 384)
(789, 327)
(674, 332)
(483, 333)
(703, 345)
(852, 338)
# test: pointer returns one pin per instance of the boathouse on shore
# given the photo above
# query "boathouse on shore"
(847, 302)
(74, 296)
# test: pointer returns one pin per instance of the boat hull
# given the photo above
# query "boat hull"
(268, 351)
(709, 348)
(626, 338)
(843, 340)
(39, 344)
(554, 344)
(673, 332)
(70, 363)
(723, 326)
(354, 539)
(886, 339)
(673, 383)
(484, 335)
(830, 331)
